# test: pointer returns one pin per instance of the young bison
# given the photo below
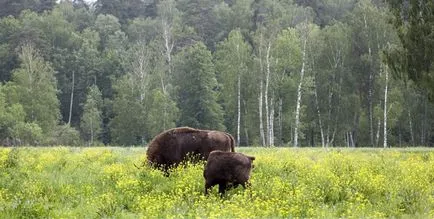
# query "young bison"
(227, 169)
(172, 146)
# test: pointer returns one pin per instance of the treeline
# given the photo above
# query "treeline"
(284, 73)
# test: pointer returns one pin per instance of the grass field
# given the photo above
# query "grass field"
(62, 182)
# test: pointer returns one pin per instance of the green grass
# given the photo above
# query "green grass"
(62, 182)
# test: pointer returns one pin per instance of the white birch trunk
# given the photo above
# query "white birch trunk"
(140, 71)
(91, 131)
(238, 96)
(347, 139)
(168, 47)
(370, 92)
(267, 82)
(385, 108)
(245, 124)
(261, 123)
(319, 115)
(411, 127)
(280, 122)
(271, 118)
(424, 123)
(72, 98)
(329, 115)
(377, 135)
(239, 108)
(299, 91)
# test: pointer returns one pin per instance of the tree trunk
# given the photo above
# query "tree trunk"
(280, 142)
(354, 131)
(351, 140)
(91, 132)
(245, 124)
(329, 116)
(424, 121)
(377, 135)
(370, 85)
(261, 87)
(385, 108)
(168, 47)
(267, 82)
(261, 123)
(410, 123)
(271, 130)
(239, 108)
(319, 115)
(72, 98)
(299, 91)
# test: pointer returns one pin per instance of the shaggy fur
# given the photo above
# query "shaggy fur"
(171, 147)
(227, 169)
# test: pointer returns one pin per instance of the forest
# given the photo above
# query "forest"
(294, 73)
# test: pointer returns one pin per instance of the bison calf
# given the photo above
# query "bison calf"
(227, 169)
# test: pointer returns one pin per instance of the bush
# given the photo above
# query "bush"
(65, 135)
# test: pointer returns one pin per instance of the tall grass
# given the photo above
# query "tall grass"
(64, 182)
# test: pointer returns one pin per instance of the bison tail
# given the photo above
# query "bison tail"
(232, 142)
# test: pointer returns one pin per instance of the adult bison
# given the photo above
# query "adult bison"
(171, 147)
(227, 170)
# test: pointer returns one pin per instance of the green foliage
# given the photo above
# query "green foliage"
(14, 7)
(106, 25)
(36, 89)
(127, 129)
(195, 83)
(100, 44)
(125, 9)
(91, 121)
(12, 121)
(414, 60)
(65, 135)
(303, 183)
(233, 63)
(28, 133)
(163, 114)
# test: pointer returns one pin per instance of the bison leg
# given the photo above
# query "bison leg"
(166, 170)
(207, 187)
(246, 184)
(222, 189)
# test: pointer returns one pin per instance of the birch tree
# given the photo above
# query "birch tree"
(91, 121)
(261, 88)
(385, 107)
(288, 57)
(304, 35)
(169, 18)
(232, 63)
(132, 91)
(330, 71)
(36, 89)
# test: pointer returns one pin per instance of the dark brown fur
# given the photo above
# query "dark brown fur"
(171, 147)
(227, 169)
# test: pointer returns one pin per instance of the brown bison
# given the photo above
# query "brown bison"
(171, 147)
(227, 169)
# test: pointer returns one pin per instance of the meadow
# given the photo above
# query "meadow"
(66, 182)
